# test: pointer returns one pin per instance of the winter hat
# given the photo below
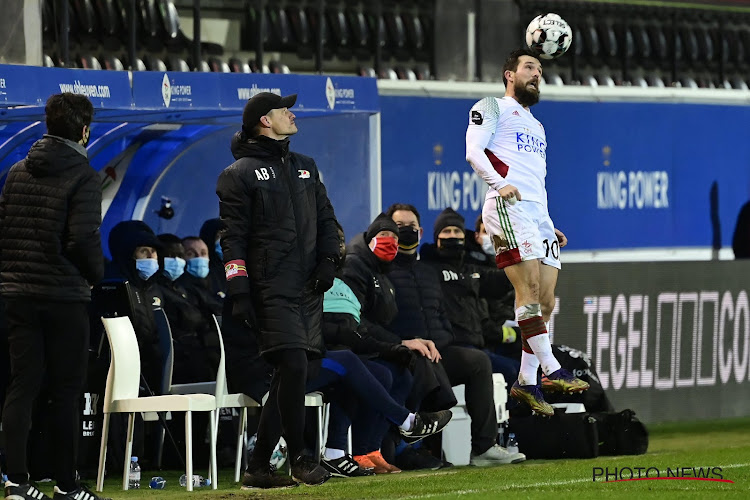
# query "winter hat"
(447, 217)
(381, 223)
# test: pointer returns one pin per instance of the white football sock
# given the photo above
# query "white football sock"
(408, 423)
(333, 453)
(541, 346)
(529, 369)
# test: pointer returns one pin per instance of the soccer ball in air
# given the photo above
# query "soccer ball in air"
(549, 36)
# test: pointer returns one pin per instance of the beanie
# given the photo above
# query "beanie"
(381, 223)
(447, 217)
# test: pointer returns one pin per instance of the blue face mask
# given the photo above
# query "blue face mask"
(218, 250)
(198, 267)
(146, 267)
(173, 267)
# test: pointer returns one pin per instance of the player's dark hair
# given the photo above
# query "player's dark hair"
(67, 113)
(403, 206)
(511, 63)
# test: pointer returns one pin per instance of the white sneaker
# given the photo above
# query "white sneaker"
(496, 455)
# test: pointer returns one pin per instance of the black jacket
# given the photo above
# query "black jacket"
(279, 224)
(366, 276)
(501, 305)
(216, 279)
(461, 282)
(50, 212)
(420, 302)
(200, 294)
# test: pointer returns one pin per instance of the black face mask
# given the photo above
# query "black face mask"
(408, 238)
(451, 248)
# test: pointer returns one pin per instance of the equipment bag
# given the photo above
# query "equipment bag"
(564, 435)
(621, 433)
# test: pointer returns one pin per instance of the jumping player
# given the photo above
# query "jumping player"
(506, 146)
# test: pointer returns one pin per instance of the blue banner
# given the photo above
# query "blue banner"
(31, 86)
(619, 175)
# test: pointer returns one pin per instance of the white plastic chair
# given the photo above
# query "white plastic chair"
(224, 400)
(121, 396)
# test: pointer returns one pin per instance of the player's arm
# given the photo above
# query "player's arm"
(483, 121)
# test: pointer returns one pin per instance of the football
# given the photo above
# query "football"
(549, 36)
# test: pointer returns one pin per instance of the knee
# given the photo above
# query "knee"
(548, 305)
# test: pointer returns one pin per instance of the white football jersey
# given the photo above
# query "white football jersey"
(505, 144)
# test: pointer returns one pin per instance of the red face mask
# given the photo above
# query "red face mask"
(385, 248)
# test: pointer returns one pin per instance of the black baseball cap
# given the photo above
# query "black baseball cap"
(261, 104)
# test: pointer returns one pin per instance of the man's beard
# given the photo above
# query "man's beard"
(524, 96)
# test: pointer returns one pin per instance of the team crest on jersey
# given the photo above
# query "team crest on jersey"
(476, 117)
(304, 174)
(516, 113)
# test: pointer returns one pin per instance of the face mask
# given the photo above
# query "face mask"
(408, 238)
(219, 251)
(451, 247)
(385, 249)
(174, 267)
(487, 245)
(146, 267)
(198, 267)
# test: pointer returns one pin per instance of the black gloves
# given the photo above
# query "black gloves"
(242, 309)
(322, 278)
(400, 355)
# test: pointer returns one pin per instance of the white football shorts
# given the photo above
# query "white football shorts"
(520, 232)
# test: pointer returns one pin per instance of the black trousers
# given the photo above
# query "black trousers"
(473, 368)
(51, 336)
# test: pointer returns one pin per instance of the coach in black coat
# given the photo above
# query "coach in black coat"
(50, 255)
(280, 246)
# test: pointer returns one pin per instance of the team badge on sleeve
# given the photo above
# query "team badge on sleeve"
(235, 268)
(476, 117)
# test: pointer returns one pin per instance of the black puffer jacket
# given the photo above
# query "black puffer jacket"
(420, 302)
(461, 282)
(50, 213)
(279, 224)
(365, 274)
(501, 304)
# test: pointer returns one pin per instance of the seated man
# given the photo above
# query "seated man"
(462, 286)
(188, 325)
(369, 256)
(210, 234)
(388, 362)
(195, 278)
(421, 313)
(134, 248)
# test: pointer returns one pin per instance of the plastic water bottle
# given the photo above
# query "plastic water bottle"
(134, 477)
(157, 483)
(512, 445)
(198, 481)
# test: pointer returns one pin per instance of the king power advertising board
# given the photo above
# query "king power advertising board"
(619, 174)
(670, 340)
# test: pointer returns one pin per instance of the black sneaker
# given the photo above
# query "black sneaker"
(411, 459)
(345, 467)
(427, 424)
(266, 479)
(25, 491)
(81, 493)
(306, 470)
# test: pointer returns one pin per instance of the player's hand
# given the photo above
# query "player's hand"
(418, 346)
(561, 238)
(510, 194)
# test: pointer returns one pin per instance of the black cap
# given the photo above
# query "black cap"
(261, 104)
(447, 217)
(381, 223)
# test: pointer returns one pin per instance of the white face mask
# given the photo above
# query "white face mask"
(487, 245)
